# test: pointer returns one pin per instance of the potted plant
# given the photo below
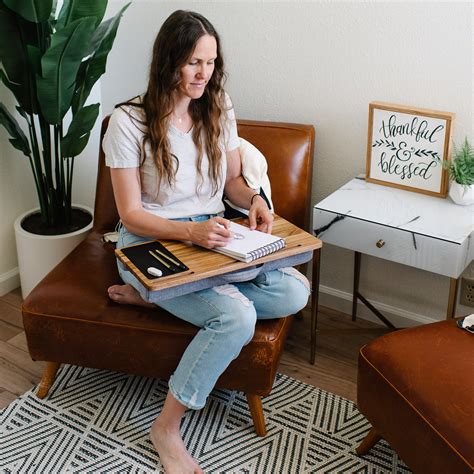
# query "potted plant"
(461, 173)
(51, 59)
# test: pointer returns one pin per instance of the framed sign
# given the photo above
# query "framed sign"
(406, 148)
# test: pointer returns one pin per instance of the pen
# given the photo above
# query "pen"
(172, 260)
(159, 259)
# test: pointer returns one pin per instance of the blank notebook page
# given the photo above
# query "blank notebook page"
(247, 241)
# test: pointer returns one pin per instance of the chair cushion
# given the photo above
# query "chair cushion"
(416, 387)
(62, 326)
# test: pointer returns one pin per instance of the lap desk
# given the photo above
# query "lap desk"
(207, 268)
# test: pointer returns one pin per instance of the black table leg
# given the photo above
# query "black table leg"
(355, 290)
(315, 302)
(453, 292)
(356, 295)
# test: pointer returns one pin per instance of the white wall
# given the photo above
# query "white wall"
(322, 63)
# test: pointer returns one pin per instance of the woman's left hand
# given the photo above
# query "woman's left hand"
(260, 217)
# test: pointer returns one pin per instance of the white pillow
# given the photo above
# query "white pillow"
(254, 169)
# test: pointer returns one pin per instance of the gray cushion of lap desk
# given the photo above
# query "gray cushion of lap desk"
(233, 277)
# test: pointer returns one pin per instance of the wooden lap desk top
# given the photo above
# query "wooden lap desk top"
(207, 268)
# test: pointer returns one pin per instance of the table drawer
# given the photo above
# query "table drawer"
(397, 245)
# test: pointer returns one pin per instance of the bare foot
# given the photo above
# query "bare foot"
(173, 454)
(126, 294)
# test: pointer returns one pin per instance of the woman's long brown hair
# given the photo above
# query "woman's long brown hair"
(173, 47)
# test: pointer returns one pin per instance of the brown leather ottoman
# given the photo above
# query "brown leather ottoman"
(416, 387)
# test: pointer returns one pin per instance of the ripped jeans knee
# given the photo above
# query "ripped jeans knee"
(277, 293)
(296, 274)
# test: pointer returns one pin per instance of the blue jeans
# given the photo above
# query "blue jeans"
(226, 315)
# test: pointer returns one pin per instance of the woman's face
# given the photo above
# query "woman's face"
(197, 71)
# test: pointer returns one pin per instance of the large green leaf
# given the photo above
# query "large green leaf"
(78, 133)
(76, 9)
(59, 67)
(34, 58)
(106, 28)
(18, 138)
(17, 74)
(94, 67)
(31, 10)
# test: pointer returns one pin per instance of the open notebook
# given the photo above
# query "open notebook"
(248, 245)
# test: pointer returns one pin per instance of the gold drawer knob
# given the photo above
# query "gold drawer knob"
(380, 243)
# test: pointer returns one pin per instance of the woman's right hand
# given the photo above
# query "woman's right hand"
(211, 233)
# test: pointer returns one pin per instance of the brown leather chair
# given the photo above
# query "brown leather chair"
(68, 317)
(416, 387)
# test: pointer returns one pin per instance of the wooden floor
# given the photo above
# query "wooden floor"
(335, 369)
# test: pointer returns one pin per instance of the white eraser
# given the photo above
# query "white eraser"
(154, 271)
(468, 321)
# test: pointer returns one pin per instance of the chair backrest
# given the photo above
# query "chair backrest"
(288, 149)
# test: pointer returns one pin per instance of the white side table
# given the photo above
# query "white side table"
(421, 231)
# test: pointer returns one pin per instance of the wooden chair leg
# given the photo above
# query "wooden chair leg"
(47, 380)
(256, 409)
(368, 442)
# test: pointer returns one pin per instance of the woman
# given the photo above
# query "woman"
(173, 153)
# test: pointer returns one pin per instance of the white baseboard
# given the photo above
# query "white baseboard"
(342, 301)
(9, 281)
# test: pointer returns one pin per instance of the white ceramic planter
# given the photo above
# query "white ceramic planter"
(38, 254)
(460, 194)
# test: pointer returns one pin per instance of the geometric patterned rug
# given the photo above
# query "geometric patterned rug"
(98, 421)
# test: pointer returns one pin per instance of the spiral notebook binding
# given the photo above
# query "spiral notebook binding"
(266, 250)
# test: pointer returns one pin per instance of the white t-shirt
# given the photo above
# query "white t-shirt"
(190, 195)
